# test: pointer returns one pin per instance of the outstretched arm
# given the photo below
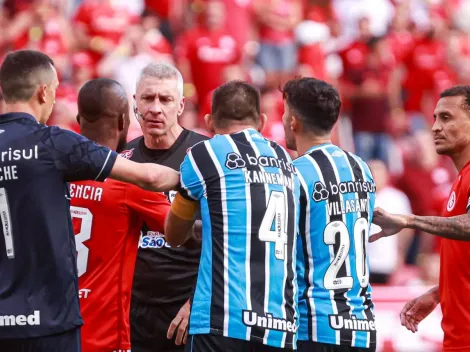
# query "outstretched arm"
(456, 227)
(148, 176)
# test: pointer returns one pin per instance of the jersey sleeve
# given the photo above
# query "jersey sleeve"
(191, 180)
(75, 156)
(151, 207)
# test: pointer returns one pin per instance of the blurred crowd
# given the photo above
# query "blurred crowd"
(389, 59)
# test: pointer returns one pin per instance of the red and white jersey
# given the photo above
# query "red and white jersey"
(107, 218)
(454, 282)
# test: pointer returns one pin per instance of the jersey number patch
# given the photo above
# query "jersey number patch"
(361, 230)
(82, 236)
(273, 227)
(6, 223)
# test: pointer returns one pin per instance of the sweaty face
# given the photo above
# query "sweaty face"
(451, 127)
(286, 122)
(159, 103)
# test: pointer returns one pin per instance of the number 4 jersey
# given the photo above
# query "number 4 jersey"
(107, 219)
(336, 209)
(248, 193)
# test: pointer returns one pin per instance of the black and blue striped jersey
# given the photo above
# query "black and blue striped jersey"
(248, 193)
(336, 210)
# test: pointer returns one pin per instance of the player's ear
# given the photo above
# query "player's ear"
(181, 106)
(262, 122)
(78, 119)
(121, 122)
(209, 123)
(294, 124)
(42, 93)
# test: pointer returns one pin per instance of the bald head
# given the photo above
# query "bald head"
(102, 98)
(103, 112)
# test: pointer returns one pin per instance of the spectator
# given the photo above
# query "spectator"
(278, 52)
(386, 257)
(204, 52)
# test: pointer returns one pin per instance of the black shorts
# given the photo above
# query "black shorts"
(216, 343)
(149, 325)
(66, 341)
(310, 346)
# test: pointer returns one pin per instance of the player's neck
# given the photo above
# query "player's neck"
(101, 137)
(21, 107)
(461, 159)
(164, 141)
(234, 129)
(304, 143)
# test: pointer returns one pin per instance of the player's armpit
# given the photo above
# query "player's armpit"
(180, 220)
(147, 176)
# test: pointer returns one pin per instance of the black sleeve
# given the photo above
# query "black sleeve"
(75, 156)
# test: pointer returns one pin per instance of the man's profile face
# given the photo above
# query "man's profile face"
(286, 122)
(160, 104)
(451, 127)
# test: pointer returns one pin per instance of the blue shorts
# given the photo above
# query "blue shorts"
(278, 58)
(66, 341)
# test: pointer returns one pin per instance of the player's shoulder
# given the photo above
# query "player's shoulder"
(193, 137)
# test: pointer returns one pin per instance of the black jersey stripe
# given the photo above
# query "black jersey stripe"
(327, 170)
(206, 166)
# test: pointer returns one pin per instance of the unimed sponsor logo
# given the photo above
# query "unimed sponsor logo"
(20, 320)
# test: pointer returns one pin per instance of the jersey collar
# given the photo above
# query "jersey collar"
(318, 146)
(16, 115)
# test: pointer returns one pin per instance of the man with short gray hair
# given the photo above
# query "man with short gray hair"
(164, 276)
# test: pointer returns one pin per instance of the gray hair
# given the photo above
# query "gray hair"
(162, 70)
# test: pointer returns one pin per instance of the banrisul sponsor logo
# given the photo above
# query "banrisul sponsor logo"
(21, 320)
(322, 191)
(268, 321)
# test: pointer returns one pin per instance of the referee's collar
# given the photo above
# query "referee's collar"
(16, 115)
(318, 146)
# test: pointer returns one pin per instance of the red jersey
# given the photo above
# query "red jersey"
(454, 282)
(107, 219)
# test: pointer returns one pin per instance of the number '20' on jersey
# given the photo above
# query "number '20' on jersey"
(248, 193)
(336, 209)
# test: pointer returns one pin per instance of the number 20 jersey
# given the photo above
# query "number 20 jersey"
(336, 210)
(248, 193)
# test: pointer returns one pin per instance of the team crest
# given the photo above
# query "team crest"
(451, 202)
(127, 153)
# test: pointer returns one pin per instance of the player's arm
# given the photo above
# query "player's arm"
(180, 220)
(148, 176)
(149, 207)
(456, 227)
(77, 158)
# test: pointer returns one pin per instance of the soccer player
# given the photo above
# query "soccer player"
(451, 131)
(248, 192)
(108, 217)
(161, 311)
(39, 305)
(336, 208)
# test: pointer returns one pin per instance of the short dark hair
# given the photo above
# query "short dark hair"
(235, 101)
(458, 91)
(21, 73)
(313, 101)
(101, 97)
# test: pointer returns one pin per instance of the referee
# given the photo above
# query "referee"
(164, 276)
(39, 309)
